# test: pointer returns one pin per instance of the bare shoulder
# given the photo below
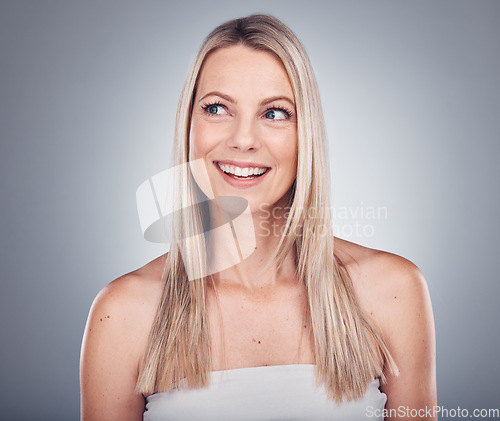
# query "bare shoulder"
(393, 294)
(114, 340)
(135, 293)
(361, 259)
(383, 281)
(391, 291)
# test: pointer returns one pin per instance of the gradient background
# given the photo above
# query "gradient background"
(411, 93)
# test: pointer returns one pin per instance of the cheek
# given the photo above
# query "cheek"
(195, 141)
(287, 151)
(201, 140)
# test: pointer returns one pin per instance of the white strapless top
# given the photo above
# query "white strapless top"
(282, 392)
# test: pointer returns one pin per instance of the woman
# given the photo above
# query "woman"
(190, 336)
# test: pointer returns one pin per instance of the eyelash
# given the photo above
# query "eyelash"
(207, 105)
(280, 108)
(287, 112)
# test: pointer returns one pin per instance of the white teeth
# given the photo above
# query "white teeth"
(242, 172)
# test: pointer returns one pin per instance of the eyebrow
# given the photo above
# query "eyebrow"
(263, 102)
(217, 93)
(277, 98)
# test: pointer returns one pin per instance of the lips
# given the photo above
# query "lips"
(242, 174)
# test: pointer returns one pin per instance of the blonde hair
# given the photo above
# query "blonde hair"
(349, 353)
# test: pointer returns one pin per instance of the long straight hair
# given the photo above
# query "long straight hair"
(349, 352)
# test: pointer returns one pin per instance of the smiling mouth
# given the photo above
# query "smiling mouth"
(242, 173)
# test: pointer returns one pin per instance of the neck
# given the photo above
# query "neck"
(250, 239)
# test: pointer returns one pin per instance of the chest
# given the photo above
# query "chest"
(259, 331)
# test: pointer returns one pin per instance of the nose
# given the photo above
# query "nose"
(244, 137)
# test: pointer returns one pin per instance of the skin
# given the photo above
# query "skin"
(263, 312)
(241, 130)
(246, 121)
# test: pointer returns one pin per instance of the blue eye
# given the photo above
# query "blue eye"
(214, 109)
(276, 114)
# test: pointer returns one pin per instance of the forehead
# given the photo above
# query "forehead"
(241, 70)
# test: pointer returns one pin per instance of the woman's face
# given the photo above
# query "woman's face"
(244, 126)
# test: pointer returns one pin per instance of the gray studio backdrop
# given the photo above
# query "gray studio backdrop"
(411, 93)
